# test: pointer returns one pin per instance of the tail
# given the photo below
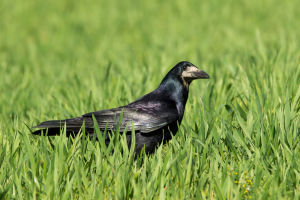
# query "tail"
(55, 127)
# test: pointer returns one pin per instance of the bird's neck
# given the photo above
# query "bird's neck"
(176, 91)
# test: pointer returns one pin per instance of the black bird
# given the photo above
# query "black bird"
(154, 116)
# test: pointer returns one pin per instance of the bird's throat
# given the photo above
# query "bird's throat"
(177, 91)
(185, 83)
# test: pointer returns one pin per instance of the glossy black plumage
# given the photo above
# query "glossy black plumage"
(154, 116)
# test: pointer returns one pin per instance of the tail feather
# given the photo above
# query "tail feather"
(51, 124)
(55, 127)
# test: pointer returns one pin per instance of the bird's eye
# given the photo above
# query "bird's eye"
(184, 67)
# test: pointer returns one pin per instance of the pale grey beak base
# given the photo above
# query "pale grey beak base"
(194, 73)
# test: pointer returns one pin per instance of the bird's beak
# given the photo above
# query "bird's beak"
(193, 72)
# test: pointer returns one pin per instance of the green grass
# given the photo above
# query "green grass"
(240, 137)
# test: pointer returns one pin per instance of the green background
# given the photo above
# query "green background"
(240, 133)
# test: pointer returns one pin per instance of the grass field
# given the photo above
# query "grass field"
(240, 137)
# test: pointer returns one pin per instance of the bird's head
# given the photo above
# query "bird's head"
(186, 72)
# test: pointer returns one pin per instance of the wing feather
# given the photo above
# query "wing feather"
(142, 117)
(143, 120)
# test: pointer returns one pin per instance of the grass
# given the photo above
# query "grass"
(240, 135)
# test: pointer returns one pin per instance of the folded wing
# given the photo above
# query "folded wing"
(142, 119)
